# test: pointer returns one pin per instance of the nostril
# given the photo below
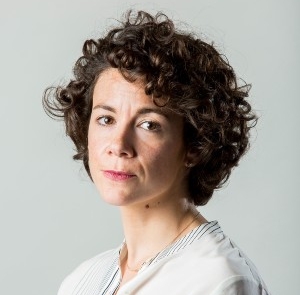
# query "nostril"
(120, 149)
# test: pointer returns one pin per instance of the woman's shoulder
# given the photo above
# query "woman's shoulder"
(97, 265)
(240, 285)
(221, 261)
(214, 260)
(216, 250)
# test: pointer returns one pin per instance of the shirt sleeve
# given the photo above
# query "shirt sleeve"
(240, 285)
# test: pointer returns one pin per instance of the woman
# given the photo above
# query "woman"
(159, 121)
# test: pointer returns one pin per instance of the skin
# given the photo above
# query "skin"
(129, 135)
(137, 160)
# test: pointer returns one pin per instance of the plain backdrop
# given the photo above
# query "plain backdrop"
(52, 218)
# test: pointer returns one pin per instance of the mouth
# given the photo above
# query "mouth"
(118, 175)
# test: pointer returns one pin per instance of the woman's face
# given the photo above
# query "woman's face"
(136, 149)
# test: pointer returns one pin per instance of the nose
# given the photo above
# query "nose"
(121, 143)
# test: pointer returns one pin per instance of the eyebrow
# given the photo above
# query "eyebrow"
(104, 107)
(141, 111)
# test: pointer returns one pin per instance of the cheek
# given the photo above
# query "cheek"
(93, 151)
(163, 159)
(94, 140)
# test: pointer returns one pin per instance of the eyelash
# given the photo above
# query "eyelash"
(103, 118)
(154, 126)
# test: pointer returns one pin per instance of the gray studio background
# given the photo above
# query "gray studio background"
(51, 217)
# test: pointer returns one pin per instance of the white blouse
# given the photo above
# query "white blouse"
(203, 262)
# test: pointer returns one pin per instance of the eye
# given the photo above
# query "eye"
(105, 120)
(150, 126)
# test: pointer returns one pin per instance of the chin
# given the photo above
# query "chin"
(116, 199)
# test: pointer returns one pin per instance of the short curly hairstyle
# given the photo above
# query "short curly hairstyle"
(179, 71)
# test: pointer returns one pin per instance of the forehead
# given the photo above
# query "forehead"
(111, 83)
(111, 87)
(113, 92)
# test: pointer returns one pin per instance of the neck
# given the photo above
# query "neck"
(152, 228)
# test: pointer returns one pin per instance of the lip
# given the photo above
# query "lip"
(118, 175)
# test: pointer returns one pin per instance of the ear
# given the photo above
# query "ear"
(191, 158)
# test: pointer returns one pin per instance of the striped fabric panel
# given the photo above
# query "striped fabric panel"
(100, 276)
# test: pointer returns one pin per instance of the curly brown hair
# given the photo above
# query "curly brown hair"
(181, 72)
